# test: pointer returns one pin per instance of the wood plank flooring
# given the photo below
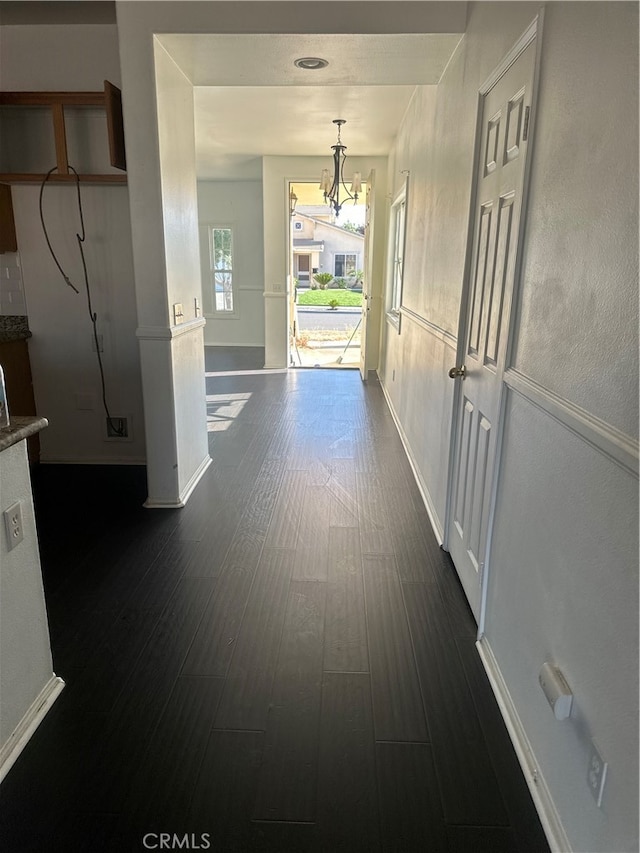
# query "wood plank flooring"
(226, 359)
(286, 664)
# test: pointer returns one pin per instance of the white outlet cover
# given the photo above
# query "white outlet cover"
(14, 525)
(597, 774)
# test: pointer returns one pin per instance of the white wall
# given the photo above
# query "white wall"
(66, 377)
(69, 57)
(159, 132)
(565, 580)
(563, 577)
(26, 671)
(65, 372)
(185, 348)
(237, 204)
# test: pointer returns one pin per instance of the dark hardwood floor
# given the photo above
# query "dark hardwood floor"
(225, 359)
(286, 664)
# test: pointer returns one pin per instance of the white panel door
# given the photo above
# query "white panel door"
(368, 272)
(496, 224)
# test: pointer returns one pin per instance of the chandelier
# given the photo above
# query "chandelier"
(331, 186)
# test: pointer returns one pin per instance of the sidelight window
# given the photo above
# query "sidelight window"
(395, 269)
(222, 269)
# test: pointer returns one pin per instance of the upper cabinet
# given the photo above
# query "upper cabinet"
(63, 133)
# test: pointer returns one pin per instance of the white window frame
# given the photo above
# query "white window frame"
(395, 256)
(345, 255)
(221, 313)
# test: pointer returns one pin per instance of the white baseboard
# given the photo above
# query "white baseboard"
(424, 492)
(540, 794)
(214, 345)
(22, 733)
(184, 496)
(258, 372)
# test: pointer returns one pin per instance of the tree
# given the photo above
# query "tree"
(353, 228)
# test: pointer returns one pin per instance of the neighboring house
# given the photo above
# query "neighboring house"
(320, 246)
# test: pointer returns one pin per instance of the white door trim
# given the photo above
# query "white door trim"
(519, 47)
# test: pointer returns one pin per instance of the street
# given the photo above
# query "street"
(311, 318)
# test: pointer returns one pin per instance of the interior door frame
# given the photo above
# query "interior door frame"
(533, 32)
(368, 260)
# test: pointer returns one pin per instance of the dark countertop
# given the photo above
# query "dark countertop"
(19, 429)
(8, 336)
(14, 328)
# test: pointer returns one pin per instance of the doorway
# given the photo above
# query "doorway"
(326, 260)
(302, 269)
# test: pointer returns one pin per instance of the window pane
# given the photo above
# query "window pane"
(221, 251)
(397, 237)
(350, 265)
(223, 282)
(339, 266)
(222, 259)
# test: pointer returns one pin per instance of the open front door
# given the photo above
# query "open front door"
(499, 183)
(368, 275)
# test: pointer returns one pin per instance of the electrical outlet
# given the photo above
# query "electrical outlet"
(13, 525)
(178, 314)
(596, 774)
(118, 428)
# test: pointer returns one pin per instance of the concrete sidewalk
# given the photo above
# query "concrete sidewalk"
(326, 354)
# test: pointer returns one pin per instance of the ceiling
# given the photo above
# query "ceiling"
(251, 100)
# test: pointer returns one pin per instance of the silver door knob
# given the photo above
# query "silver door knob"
(456, 372)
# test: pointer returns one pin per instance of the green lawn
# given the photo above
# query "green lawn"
(323, 297)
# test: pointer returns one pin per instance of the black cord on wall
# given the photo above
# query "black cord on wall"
(115, 428)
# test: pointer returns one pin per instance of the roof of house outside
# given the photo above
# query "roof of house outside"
(323, 223)
(308, 244)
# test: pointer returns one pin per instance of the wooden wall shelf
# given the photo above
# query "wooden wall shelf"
(110, 99)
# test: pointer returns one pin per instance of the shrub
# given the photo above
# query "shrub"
(323, 279)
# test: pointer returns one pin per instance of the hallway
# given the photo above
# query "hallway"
(286, 664)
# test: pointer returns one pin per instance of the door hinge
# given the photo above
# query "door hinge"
(525, 129)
